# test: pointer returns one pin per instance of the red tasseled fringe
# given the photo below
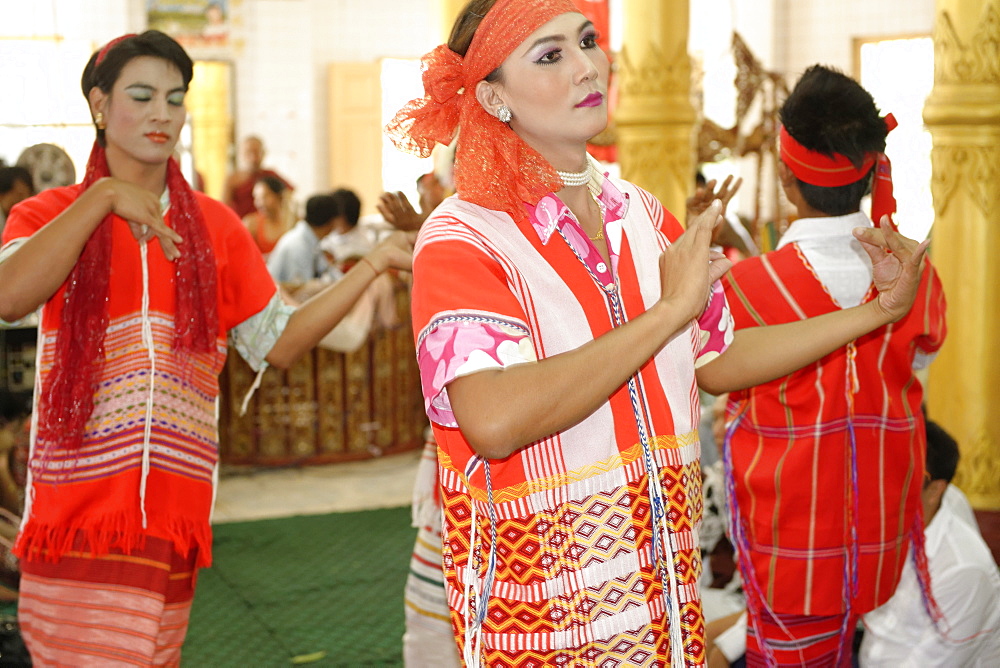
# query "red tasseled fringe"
(113, 531)
(922, 568)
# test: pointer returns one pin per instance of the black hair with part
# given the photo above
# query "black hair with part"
(942, 453)
(150, 43)
(830, 113)
(348, 205)
(320, 210)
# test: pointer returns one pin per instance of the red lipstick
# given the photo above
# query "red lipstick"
(158, 137)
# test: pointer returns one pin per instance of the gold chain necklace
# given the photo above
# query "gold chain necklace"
(600, 212)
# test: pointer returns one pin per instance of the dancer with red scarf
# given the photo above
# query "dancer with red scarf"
(825, 465)
(560, 316)
(140, 281)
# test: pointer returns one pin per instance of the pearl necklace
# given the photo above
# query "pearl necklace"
(575, 178)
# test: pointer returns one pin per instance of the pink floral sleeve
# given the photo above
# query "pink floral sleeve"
(716, 325)
(462, 344)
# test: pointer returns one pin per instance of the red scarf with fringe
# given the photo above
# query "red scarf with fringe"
(67, 400)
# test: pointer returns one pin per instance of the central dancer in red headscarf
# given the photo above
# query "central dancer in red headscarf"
(560, 317)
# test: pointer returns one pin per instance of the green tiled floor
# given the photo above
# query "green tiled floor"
(329, 585)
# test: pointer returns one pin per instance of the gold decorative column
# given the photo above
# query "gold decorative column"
(963, 115)
(447, 11)
(655, 118)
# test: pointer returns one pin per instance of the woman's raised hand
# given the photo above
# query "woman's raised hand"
(398, 212)
(688, 268)
(141, 209)
(706, 195)
(896, 266)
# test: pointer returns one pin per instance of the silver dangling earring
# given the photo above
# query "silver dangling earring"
(504, 114)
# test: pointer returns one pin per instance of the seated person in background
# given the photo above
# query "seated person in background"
(15, 416)
(347, 242)
(237, 192)
(397, 210)
(963, 578)
(270, 220)
(342, 246)
(15, 185)
(297, 256)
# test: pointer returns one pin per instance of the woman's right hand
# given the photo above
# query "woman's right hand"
(141, 208)
(688, 268)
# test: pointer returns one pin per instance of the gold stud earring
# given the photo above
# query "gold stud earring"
(99, 120)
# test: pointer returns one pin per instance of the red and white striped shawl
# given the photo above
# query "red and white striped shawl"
(574, 534)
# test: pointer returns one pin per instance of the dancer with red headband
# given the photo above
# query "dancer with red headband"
(140, 281)
(560, 316)
(825, 465)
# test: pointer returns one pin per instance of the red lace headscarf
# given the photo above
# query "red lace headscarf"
(494, 167)
(67, 398)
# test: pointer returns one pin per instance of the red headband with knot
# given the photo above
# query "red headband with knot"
(818, 169)
(494, 167)
(110, 45)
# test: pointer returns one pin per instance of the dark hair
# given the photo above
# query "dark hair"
(273, 183)
(942, 453)
(11, 175)
(830, 113)
(348, 205)
(465, 28)
(150, 43)
(320, 210)
(13, 407)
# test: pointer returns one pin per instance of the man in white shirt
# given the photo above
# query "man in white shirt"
(964, 581)
(297, 256)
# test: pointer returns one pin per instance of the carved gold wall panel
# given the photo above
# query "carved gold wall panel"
(963, 115)
(655, 118)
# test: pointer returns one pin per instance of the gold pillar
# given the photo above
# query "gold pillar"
(963, 116)
(655, 118)
(447, 11)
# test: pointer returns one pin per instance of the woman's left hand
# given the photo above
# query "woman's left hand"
(397, 210)
(896, 266)
(396, 252)
(705, 195)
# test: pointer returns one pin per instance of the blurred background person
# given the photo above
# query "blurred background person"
(15, 185)
(271, 217)
(348, 241)
(297, 256)
(238, 189)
